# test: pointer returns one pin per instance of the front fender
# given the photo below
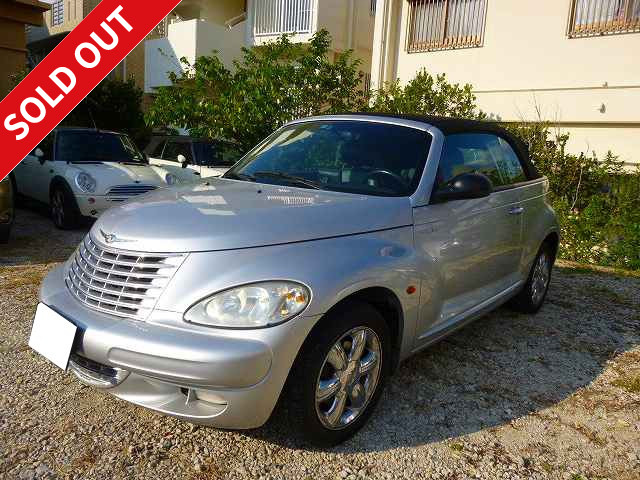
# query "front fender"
(333, 269)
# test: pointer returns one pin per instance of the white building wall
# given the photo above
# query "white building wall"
(189, 39)
(528, 67)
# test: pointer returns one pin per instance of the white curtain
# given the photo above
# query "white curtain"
(593, 12)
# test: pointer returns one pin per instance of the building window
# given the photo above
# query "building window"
(275, 17)
(599, 17)
(57, 13)
(443, 24)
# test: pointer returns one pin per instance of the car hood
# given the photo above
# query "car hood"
(227, 214)
(110, 174)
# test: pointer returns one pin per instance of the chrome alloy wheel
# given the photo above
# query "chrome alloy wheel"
(348, 378)
(57, 207)
(540, 278)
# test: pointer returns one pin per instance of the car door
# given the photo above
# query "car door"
(215, 158)
(475, 244)
(33, 175)
(188, 172)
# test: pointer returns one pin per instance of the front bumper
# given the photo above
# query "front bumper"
(224, 378)
(95, 205)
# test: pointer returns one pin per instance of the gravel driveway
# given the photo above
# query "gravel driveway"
(555, 395)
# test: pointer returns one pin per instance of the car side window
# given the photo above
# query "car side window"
(216, 154)
(508, 163)
(469, 153)
(157, 151)
(173, 149)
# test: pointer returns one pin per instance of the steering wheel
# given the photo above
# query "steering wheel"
(386, 174)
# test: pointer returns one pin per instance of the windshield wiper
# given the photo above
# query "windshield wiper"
(240, 176)
(291, 179)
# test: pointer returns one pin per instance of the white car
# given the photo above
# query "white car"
(82, 172)
(191, 158)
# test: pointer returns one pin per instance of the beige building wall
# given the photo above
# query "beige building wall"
(351, 24)
(528, 68)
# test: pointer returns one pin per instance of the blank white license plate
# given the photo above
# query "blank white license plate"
(52, 336)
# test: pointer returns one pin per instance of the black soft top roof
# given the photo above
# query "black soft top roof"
(451, 126)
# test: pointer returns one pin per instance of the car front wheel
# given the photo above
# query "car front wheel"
(64, 210)
(339, 375)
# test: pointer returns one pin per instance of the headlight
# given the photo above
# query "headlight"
(250, 306)
(171, 179)
(86, 182)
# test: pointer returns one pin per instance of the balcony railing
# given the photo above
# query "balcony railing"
(276, 17)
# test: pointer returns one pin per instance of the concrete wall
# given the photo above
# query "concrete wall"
(528, 68)
(190, 39)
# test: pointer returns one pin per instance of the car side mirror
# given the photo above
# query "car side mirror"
(39, 155)
(464, 186)
(183, 160)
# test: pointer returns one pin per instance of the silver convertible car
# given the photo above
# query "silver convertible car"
(332, 251)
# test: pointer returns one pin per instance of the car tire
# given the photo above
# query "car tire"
(312, 408)
(532, 296)
(64, 210)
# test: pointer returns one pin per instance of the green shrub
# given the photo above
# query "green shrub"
(597, 203)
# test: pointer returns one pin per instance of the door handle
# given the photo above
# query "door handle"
(516, 211)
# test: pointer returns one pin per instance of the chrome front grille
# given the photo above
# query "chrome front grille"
(121, 193)
(121, 283)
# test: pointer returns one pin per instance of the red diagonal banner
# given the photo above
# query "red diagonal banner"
(74, 68)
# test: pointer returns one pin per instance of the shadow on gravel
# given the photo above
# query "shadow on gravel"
(35, 240)
(498, 369)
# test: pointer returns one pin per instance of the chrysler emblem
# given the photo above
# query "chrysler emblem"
(110, 237)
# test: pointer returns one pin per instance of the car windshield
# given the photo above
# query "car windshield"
(361, 157)
(216, 153)
(92, 147)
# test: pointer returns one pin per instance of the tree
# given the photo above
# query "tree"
(113, 105)
(267, 87)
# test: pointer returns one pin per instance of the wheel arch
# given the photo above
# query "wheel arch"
(59, 181)
(553, 240)
(387, 303)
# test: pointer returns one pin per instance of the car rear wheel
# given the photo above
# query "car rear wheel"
(64, 210)
(339, 375)
(532, 296)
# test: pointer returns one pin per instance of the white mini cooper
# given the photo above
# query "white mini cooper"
(82, 172)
